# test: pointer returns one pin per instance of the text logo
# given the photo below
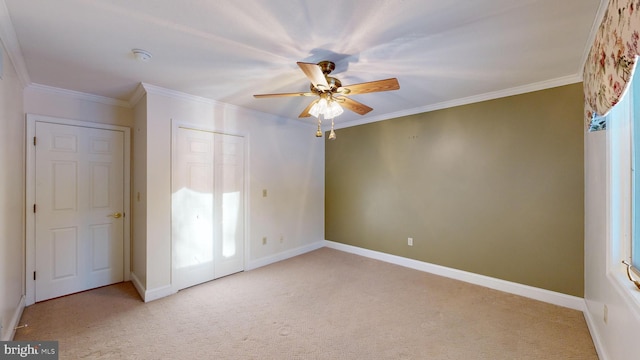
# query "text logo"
(34, 350)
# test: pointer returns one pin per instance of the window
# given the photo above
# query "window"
(624, 185)
(623, 123)
(634, 112)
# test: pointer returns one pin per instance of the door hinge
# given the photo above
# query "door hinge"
(34, 208)
(34, 141)
(34, 276)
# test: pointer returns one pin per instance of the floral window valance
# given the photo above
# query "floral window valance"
(611, 61)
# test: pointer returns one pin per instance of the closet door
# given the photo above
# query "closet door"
(207, 206)
(229, 204)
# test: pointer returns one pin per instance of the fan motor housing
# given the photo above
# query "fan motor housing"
(334, 84)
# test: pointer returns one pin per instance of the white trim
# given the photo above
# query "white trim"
(267, 260)
(247, 201)
(627, 291)
(531, 292)
(137, 95)
(137, 284)
(153, 294)
(15, 320)
(158, 293)
(31, 120)
(602, 8)
(156, 90)
(619, 203)
(10, 41)
(80, 95)
(595, 335)
(547, 84)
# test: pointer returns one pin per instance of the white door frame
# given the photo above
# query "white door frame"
(175, 124)
(30, 240)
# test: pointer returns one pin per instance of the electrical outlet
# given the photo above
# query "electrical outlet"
(264, 192)
(605, 313)
(281, 239)
(264, 240)
(410, 241)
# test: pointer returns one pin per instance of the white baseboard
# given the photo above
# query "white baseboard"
(15, 321)
(138, 285)
(595, 334)
(158, 293)
(284, 255)
(153, 294)
(552, 297)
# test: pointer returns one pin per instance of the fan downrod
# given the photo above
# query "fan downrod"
(327, 66)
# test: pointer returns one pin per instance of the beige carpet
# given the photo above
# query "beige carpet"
(325, 304)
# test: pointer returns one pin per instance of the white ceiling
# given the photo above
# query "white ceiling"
(443, 52)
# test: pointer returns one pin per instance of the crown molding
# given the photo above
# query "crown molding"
(157, 90)
(602, 9)
(547, 84)
(80, 95)
(137, 95)
(10, 42)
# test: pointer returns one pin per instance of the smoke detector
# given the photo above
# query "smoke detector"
(141, 55)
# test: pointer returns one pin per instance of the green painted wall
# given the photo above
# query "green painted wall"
(494, 188)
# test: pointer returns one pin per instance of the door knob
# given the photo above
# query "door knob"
(115, 215)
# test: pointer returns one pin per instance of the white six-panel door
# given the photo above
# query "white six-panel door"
(79, 197)
(207, 206)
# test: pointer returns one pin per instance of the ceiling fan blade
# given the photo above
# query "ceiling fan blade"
(285, 94)
(315, 75)
(369, 87)
(353, 105)
(305, 112)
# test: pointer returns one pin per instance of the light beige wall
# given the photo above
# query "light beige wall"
(12, 219)
(138, 188)
(64, 104)
(494, 188)
(283, 157)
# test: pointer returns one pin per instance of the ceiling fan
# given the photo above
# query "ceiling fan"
(331, 95)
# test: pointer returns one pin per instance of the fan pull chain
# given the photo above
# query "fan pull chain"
(319, 132)
(332, 134)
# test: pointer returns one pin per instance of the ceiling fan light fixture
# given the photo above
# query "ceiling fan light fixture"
(319, 108)
(333, 110)
(328, 108)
